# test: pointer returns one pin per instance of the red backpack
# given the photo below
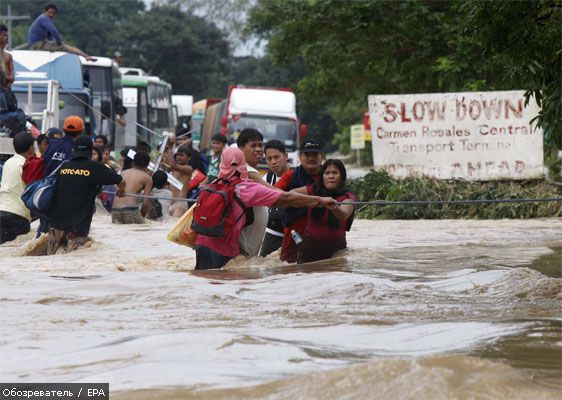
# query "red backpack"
(213, 215)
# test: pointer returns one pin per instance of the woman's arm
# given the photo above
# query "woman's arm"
(296, 199)
(340, 212)
(256, 177)
(301, 190)
(343, 211)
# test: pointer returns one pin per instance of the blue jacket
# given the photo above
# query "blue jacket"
(42, 28)
(57, 151)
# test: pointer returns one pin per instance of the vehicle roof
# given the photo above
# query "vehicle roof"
(33, 65)
(100, 62)
(262, 101)
(132, 71)
(142, 81)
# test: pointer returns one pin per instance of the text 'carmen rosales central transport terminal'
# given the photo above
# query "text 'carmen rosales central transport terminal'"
(468, 135)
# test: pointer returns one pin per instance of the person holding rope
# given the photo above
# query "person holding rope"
(324, 233)
(215, 252)
(181, 170)
(60, 149)
(126, 210)
(75, 195)
(310, 156)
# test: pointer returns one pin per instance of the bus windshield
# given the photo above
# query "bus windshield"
(278, 128)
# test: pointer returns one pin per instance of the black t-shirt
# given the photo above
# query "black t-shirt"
(75, 195)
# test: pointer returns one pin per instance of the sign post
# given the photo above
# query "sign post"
(357, 140)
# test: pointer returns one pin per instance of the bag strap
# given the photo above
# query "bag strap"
(57, 168)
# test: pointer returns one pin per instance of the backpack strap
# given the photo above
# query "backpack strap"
(248, 211)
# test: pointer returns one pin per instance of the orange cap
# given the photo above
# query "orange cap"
(73, 124)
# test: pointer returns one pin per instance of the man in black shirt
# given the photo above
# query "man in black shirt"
(73, 206)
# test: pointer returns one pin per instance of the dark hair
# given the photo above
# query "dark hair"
(143, 146)
(320, 190)
(22, 142)
(218, 137)
(99, 150)
(275, 144)
(127, 162)
(318, 186)
(185, 150)
(102, 137)
(247, 135)
(48, 6)
(42, 138)
(159, 179)
(3, 28)
(142, 159)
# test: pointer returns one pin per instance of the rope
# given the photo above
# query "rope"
(388, 203)
(142, 196)
(441, 202)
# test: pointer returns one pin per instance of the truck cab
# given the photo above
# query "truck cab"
(272, 111)
(74, 95)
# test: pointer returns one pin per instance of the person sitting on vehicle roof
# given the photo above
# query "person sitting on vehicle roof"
(43, 35)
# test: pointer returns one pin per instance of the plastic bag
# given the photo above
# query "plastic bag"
(181, 233)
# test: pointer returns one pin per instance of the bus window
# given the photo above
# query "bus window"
(142, 114)
(100, 84)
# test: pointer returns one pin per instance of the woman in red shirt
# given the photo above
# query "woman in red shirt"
(325, 230)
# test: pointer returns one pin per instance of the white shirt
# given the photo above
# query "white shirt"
(252, 235)
(12, 187)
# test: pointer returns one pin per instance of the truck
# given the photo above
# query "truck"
(272, 111)
(41, 66)
(183, 105)
(204, 118)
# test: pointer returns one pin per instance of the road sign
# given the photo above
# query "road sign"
(357, 137)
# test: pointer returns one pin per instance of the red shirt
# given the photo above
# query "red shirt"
(33, 169)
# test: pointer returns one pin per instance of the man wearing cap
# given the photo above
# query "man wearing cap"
(59, 150)
(14, 215)
(310, 156)
(75, 195)
(60, 146)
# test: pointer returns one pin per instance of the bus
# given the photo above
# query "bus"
(74, 96)
(104, 80)
(148, 100)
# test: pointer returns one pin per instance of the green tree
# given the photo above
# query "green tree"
(356, 48)
(180, 47)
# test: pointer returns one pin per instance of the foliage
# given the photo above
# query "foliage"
(378, 185)
(357, 48)
(180, 47)
(525, 37)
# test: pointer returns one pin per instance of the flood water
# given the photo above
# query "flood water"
(413, 310)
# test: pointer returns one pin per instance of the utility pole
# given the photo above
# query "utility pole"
(9, 18)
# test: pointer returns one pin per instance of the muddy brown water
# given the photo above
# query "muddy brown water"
(413, 310)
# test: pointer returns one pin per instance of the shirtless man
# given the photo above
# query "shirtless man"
(181, 170)
(125, 209)
(6, 61)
